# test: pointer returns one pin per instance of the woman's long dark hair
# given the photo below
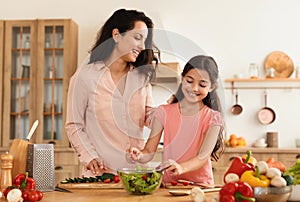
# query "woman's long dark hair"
(212, 100)
(124, 20)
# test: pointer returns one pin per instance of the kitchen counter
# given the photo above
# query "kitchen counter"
(107, 195)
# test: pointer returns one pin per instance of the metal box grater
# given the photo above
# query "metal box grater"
(40, 165)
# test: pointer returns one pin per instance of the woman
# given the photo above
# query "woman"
(110, 98)
(192, 125)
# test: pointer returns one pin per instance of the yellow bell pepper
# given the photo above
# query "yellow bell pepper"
(255, 179)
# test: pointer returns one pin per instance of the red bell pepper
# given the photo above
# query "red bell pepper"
(236, 192)
(239, 165)
(24, 182)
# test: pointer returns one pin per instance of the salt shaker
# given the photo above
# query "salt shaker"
(6, 170)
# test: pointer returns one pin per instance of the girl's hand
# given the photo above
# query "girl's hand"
(175, 169)
(95, 166)
(133, 154)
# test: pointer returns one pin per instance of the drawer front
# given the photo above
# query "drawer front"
(65, 158)
(66, 171)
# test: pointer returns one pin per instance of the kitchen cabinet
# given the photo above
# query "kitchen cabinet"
(66, 164)
(286, 156)
(40, 57)
(1, 68)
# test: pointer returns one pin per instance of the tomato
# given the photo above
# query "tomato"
(33, 196)
(185, 183)
(116, 178)
(174, 183)
(40, 194)
(144, 177)
(107, 180)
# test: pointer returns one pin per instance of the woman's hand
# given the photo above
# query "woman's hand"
(175, 169)
(133, 154)
(95, 166)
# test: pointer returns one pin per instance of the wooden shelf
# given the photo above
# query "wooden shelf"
(263, 80)
(262, 83)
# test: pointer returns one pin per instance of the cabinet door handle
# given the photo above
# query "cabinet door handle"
(58, 168)
(52, 142)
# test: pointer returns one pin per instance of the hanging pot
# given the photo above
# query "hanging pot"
(236, 109)
(266, 115)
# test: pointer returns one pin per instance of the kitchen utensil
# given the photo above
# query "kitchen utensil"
(40, 165)
(272, 194)
(18, 150)
(132, 179)
(164, 165)
(281, 62)
(184, 192)
(61, 189)
(266, 115)
(202, 185)
(236, 109)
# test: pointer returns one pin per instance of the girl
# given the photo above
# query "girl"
(192, 125)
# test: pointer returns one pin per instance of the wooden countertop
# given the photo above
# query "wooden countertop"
(262, 150)
(109, 195)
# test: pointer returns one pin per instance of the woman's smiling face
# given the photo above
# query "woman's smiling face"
(132, 43)
(196, 85)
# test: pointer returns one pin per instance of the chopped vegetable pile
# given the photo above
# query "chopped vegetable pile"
(141, 181)
(294, 171)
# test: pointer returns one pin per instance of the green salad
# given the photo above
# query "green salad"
(141, 180)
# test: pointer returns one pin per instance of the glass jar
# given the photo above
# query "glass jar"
(253, 71)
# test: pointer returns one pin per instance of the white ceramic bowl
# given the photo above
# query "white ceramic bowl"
(295, 195)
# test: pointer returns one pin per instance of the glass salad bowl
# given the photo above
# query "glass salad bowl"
(140, 181)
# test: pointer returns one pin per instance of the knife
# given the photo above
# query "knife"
(61, 189)
(202, 185)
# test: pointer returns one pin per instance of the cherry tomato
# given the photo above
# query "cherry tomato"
(107, 180)
(33, 196)
(185, 183)
(174, 183)
(144, 177)
(25, 194)
(116, 178)
(40, 194)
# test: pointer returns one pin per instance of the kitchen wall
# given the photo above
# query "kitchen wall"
(235, 32)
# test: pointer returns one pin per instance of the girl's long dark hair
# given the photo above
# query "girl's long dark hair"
(212, 100)
(124, 20)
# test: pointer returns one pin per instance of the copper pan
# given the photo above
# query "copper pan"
(236, 109)
(266, 115)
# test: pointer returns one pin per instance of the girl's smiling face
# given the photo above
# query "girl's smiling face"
(132, 43)
(196, 85)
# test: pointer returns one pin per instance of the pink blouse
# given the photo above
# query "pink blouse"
(101, 122)
(184, 136)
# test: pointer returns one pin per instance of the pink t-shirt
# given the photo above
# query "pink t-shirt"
(102, 122)
(184, 136)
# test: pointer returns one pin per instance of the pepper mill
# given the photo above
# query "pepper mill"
(6, 168)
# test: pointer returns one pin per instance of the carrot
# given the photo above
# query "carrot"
(275, 164)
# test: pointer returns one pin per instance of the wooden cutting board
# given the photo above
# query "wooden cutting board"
(281, 62)
(91, 185)
(181, 186)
